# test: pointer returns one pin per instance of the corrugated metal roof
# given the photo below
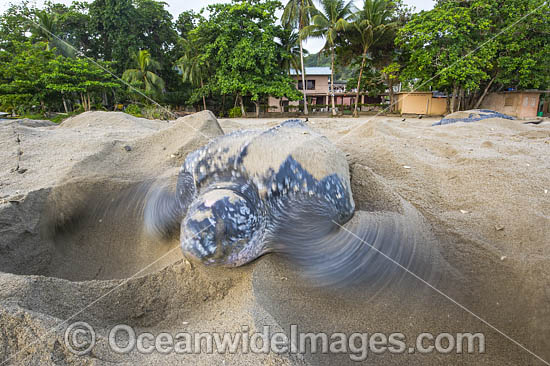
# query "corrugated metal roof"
(313, 71)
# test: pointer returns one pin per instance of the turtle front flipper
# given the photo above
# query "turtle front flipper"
(375, 249)
(164, 208)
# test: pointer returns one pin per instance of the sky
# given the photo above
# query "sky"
(175, 7)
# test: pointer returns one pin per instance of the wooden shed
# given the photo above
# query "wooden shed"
(520, 104)
(421, 103)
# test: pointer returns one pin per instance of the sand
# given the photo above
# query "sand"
(482, 190)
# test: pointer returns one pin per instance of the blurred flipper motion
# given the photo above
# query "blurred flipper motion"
(373, 248)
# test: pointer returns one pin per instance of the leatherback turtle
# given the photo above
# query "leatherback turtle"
(285, 189)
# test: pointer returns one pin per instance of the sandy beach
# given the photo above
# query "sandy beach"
(481, 191)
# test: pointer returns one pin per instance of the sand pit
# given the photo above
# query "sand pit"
(481, 189)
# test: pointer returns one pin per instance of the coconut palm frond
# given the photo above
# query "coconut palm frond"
(132, 75)
(153, 82)
(298, 13)
(143, 75)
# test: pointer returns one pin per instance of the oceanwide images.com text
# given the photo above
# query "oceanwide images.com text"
(80, 338)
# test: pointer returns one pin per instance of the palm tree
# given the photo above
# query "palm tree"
(328, 24)
(290, 44)
(143, 74)
(297, 14)
(369, 25)
(192, 67)
(45, 27)
(290, 40)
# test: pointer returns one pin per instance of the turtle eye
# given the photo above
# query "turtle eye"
(218, 227)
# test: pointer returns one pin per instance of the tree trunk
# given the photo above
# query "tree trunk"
(89, 104)
(355, 112)
(332, 80)
(65, 104)
(83, 101)
(453, 98)
(306, 112)
(392, 96)
(203, 97)
(480, 100)
(460, 99)
(243, 111)
(257, 104)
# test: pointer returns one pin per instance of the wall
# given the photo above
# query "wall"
(274, 105)
(421, 103)
(520, 105)
(321, 87)
(321, 83)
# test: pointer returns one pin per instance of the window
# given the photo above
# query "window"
(310, 85)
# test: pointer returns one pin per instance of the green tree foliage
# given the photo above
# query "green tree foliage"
(194, 69)
(142, 76)
(290, 41)
(372, 82)
(237, 51)
(123, 27)
(374, 25)
(35, 78)
(14, 25)
(329, 23)
(341, 71)
(79, 77)
(21, 70)
(296, 16)
(73, 25)
(158, 35)
(185, 23)
(466, 47)
(112, 22)
(238, 42)
(370, 25)
(45, 26)
(524, 50)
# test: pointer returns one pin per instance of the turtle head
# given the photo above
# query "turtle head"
(222, 228)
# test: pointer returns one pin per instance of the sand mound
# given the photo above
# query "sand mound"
(478, 190)
(109, 120)
(26, 122)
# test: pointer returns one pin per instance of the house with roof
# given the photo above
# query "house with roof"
(317, 91)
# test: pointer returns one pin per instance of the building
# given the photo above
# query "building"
(318, 93)
(425, 103)
(520, 104)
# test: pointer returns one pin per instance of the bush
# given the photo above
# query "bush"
(99, 107)
(60, 117)
(156, 112)
(134, 110)
(78, 108)
(235, 112)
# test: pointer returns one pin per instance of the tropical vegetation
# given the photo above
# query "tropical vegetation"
(231, 57)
